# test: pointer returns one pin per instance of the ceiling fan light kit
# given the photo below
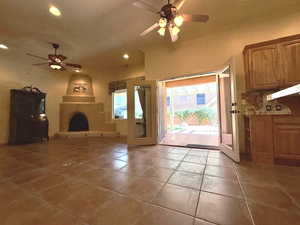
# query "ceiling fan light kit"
(170, 18)
(55, 61)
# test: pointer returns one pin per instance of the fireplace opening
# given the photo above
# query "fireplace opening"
(79, 122)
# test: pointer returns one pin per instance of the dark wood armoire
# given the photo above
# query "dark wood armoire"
(28, 120)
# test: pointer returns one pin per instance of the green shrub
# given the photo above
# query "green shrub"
(205, 114)
(184, 114)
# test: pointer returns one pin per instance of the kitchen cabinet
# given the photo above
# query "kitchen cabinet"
(261, 139)
(263, 67)
(275, 139)
(272, 64)
(290, 57)
(287, 137)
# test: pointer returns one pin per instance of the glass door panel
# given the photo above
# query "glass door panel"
(141, 98)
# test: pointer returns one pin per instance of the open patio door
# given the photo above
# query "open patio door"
(142, 112)
(229, 143)
(162, 110)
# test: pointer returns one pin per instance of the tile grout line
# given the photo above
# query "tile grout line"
(244, 195)
(200, 190)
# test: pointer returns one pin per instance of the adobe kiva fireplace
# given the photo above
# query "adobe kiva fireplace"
(80, 115)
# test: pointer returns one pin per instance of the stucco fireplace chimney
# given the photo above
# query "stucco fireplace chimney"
(80, 99)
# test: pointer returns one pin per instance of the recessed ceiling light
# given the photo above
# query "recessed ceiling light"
(54, 11)
(126, 56)
(2, 46)
(77, 70)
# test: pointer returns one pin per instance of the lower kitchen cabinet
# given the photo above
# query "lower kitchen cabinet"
(275, 139)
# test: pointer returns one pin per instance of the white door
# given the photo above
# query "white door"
(162, 108)
(229, 143)
(142, 112)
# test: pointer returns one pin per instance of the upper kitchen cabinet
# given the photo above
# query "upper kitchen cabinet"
(262, 67)
(290, 58)
(273, 64)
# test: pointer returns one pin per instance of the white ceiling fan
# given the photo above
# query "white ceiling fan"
(170, 18)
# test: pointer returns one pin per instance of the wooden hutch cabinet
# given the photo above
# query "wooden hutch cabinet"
(28, 121)
(272, 64)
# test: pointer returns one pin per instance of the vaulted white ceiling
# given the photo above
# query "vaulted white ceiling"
(95, 33)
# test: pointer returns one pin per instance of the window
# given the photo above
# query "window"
(120, 104)
(200, 99)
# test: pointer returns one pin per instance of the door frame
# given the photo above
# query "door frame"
(131, 138)
(183, 77)
(234, 151)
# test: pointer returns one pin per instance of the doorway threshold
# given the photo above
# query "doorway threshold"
(203, 147)
(194, 146)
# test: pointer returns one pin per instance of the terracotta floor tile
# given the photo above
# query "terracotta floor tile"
(224, 162)
(195, 159)
(221, 186)
(178, 198)
(223, 210)
(142, 189)
(218, 171)
(199, 152)
(216, 154)
(202, 222)
(116, 181)
(166, 163)
(161, 216)
(61, 217)
(185, 179)
(86, 202)
(135, 169)
(120, 210)
(172, 156)
(60, 193)
(264, 215)
(95, 176)
(44, 182)
(80, 181)
(30, 211)
(109, 164)
(257, 177)
(191, 167)
(29, 176)
(160, 174)
(271, 196)
(10, 193)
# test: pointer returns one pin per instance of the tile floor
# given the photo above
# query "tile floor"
(94, 181)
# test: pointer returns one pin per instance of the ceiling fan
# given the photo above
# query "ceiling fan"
(170, 18)
(55, 61)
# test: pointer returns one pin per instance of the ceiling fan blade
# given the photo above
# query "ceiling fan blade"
(36, 56)
(39, 64)
(62, 57)
(179, 3)
(173, 37)
(195, 18)
(144, 5)
(154, 26)
(73, 65)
